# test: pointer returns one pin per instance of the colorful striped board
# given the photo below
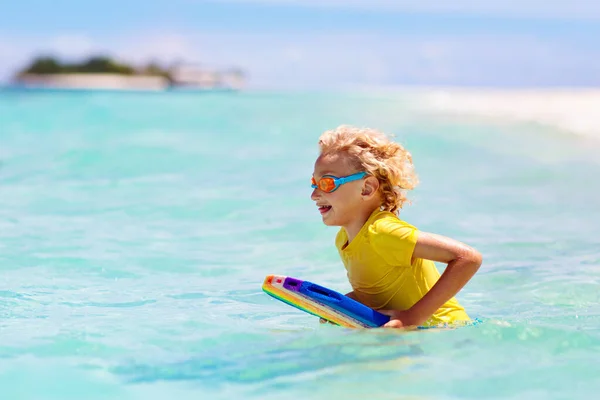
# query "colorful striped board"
(322, 302)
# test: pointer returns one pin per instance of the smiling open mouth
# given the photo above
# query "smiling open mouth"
(324, 209)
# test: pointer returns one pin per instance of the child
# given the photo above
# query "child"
(359, 181)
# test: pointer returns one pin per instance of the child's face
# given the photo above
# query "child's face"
(338, 207)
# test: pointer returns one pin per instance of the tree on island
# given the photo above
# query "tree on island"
(99, 64)
(45, 65)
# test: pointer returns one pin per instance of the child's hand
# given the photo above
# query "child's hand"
(400, 319)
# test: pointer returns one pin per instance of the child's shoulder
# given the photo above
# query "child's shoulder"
(387, 222)
(381, 226)
(389, 234)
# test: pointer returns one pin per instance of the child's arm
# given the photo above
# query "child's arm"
(463, 261)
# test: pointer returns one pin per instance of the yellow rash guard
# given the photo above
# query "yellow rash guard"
(380, 270)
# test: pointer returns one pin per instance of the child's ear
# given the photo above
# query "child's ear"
(370, 187)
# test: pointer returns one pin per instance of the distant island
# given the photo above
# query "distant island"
(101, 72)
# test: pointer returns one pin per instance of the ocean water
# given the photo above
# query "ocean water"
(136, 230)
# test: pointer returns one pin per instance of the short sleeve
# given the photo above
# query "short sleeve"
(394, 240)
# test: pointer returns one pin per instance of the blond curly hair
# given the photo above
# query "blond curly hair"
(372, 151)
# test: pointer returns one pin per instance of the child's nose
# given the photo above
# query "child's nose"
(314, 195)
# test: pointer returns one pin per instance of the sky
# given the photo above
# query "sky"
(323, 43)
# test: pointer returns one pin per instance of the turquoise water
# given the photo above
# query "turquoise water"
(136, 230)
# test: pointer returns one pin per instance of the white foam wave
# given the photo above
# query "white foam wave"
(573, 110)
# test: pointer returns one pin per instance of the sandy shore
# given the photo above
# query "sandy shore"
(574, 110)
(94, 81)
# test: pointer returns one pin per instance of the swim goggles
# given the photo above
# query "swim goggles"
(330, 183)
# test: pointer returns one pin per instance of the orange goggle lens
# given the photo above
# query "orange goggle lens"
(325, 184)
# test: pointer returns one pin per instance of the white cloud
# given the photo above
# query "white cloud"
(165, 47)
(293, 54)
(11, 56)
(588, 9)
(326, 59)
(71, 45)
(334, 59)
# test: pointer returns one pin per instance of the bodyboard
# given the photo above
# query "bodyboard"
(322, 302)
